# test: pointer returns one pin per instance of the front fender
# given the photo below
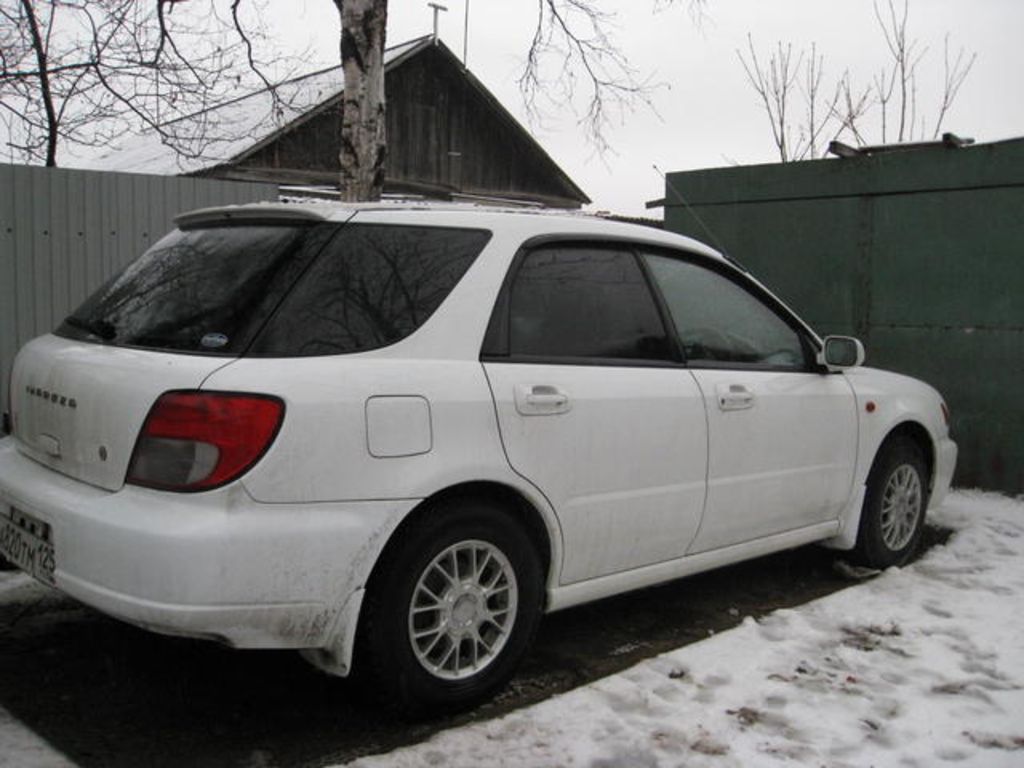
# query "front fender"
(888, 403)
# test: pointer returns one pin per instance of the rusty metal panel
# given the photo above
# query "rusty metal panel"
(920, 253)
(63, 232)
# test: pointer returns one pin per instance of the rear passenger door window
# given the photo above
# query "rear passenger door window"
(581, 303)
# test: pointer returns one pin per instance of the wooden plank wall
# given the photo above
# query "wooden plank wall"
(443, 135)
(442, 131)
(63, 232)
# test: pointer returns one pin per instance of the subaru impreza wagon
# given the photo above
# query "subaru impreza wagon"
(393, 436)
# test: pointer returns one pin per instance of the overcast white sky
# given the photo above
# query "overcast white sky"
(707, 115)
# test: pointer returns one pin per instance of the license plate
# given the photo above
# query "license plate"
(28, 543)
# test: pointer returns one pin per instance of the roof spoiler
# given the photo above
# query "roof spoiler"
(278, 212)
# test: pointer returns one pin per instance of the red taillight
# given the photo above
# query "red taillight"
(194, 441)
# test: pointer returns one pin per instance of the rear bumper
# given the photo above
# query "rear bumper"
(284, 625)
(215, 565)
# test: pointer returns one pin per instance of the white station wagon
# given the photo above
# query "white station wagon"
(392, 436)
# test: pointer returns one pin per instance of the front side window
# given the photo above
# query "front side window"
(373, 285)
(720, 323)
(570, 301)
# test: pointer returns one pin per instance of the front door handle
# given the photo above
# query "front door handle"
(541, 400)
(734, 397)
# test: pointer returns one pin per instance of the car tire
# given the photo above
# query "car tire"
(892, 518)
(451, 609)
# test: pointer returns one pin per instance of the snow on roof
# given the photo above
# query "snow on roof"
(233, 127)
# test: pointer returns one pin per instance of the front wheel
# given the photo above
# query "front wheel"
(451, 609)
(892, 518)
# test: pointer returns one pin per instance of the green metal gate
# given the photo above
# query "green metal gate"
(920, 253)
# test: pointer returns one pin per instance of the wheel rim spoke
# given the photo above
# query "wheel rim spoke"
(902, 502)
(463, 609)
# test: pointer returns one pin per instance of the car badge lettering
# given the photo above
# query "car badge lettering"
(58, 399)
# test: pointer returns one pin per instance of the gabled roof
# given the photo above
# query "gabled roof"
(233, 129)
(230, 132)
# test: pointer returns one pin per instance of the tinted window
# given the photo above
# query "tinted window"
(372, 286)
(199, 290)
(570, 301)
(720, 323)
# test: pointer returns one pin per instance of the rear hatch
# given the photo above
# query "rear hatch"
(78, 408)
(189, 306)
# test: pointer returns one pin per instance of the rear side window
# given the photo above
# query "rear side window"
(580, 301)
(372, 286)
(205, 290)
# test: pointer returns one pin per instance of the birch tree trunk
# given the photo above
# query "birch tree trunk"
(363, 139)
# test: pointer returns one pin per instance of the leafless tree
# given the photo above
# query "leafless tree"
(574, 58)
(895, 87)
(573, 50)
(363, 138)
(849, 112)
(778, 78)
(82, 72)
(955, 72)
(845, 108)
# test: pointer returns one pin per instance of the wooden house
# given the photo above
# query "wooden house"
(448, 137)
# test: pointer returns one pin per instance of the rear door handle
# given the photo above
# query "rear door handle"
(734, 397)
(541, 400)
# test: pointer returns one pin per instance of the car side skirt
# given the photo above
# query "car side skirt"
(613, 584)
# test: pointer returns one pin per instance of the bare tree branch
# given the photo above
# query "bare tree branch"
(893, 94)
(574, 60)
(81, 72)
(955, 74)
(44, 80)
(773, 82)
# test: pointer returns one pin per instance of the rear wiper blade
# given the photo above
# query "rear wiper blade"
(100, 328)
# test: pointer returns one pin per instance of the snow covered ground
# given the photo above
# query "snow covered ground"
(922, 666)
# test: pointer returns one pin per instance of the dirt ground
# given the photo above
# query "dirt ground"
(107, 694)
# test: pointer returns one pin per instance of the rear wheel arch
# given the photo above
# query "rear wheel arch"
(489, 517)
(511, 500)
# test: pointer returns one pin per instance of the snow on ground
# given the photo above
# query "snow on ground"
(922, 666)
(21, 748)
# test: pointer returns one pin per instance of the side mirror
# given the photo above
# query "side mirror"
(841, 352)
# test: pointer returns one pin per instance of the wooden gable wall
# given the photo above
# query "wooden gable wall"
(444, 137)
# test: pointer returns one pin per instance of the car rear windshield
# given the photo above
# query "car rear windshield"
(205, 290)
(281, 290)
(373, 285)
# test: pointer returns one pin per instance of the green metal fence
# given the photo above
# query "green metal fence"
(920, 253)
